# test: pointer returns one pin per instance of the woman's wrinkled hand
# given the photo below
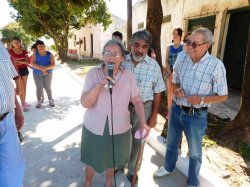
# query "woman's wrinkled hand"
(143, 132)
(105, 81)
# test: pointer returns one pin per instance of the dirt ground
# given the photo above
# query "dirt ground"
(226, 163)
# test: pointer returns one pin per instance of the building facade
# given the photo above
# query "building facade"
(229, 21)
(90, 39)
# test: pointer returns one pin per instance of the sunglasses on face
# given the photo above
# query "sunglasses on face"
(193, 44)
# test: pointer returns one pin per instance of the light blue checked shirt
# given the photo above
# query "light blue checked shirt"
(148, 76)
(205, 78)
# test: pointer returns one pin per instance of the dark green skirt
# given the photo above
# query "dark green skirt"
(97, 151)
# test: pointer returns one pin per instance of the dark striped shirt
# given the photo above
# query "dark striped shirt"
(7, 73)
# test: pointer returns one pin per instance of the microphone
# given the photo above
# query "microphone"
(110, 73)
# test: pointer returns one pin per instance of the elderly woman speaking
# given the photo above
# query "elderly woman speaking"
(106, 125)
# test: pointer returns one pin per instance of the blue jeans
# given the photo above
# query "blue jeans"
(194, 127)
(11, 155)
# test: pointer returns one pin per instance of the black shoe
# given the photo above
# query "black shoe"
(130, 178)
(20, 136)
(119, 170)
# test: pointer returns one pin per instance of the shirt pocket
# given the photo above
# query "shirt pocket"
(146, 85)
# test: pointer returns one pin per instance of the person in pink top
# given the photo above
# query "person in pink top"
(106, 123)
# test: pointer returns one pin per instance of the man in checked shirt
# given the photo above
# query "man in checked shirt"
(149, 80)
(11, 155)
(199, 80)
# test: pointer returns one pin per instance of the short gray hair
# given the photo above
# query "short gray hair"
(207, 34)
(143, 35)
(117, 43)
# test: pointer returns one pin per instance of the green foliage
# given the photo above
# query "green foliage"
(56, 18)
(53, 48)
(207, 143)
(14, 29)
(245, 151)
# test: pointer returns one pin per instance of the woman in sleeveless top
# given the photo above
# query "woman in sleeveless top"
(171, 54)
(43, 63)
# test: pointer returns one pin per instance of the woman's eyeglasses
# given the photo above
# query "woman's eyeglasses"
(193, 44)
(110, 54)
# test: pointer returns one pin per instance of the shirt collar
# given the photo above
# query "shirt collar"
(205, 56)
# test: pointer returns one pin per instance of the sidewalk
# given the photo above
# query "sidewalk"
(52, 141)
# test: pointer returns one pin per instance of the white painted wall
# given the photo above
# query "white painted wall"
(100, 37)
(183, 10)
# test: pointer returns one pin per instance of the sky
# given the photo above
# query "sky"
(119, 7)
(116, 7)
(5, 13)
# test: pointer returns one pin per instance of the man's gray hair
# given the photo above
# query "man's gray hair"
(207, 34)
(115, 42)
(142, 35)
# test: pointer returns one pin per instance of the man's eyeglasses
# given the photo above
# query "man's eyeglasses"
(193, 44)
(110, 54)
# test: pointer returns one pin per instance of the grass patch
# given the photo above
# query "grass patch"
(207, 142)
(82, 67)
(245, 151)
(215, 125)
(84, 63)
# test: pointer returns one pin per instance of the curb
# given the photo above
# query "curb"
(207, 177)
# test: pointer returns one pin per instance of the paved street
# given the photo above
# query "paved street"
(52, 142)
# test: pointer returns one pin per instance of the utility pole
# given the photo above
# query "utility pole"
(129, 23)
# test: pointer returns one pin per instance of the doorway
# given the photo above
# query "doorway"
(236, 46)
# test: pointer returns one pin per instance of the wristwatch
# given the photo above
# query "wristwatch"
(202, 100)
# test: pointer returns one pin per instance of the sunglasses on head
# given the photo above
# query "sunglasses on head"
(193, 44)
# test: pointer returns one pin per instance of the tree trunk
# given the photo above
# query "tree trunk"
(62, 47)
(238, 130)
(129, 23)
(154, 21)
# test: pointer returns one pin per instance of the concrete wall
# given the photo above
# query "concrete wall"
(183, 10)
(100, 37)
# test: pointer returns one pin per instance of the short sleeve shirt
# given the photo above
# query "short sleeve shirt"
(124, 90)
(148, 77)
(205, 78)
(7, 73)
(19, 57)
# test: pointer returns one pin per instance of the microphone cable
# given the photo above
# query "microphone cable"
(113, 143)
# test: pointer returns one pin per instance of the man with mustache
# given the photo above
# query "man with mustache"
(149, 79)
